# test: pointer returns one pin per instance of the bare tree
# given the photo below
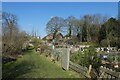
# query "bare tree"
(69, 22)
(55, 25)
(12, 37)
(86, 27)
(10, 21)
(78, 28)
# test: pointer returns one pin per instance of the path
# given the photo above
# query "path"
(32, 65)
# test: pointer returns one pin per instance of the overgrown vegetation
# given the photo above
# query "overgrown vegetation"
(12, 38)
(87, 58)
(113, 59)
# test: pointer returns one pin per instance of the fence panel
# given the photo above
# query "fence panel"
(109, 73)
(79, 69)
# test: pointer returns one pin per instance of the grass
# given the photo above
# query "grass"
(32, 65)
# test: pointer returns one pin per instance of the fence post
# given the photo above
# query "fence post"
(88, 73)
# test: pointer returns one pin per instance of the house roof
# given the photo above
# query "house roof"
(50, 36)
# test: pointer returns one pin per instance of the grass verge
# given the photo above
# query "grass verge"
(32, 65)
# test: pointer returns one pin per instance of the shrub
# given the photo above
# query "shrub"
(89, 56)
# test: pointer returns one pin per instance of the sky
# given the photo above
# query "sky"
(60, 0)
(35, 15)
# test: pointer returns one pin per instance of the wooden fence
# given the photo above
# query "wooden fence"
(80, 69)
(108, 73)
(105, 73)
